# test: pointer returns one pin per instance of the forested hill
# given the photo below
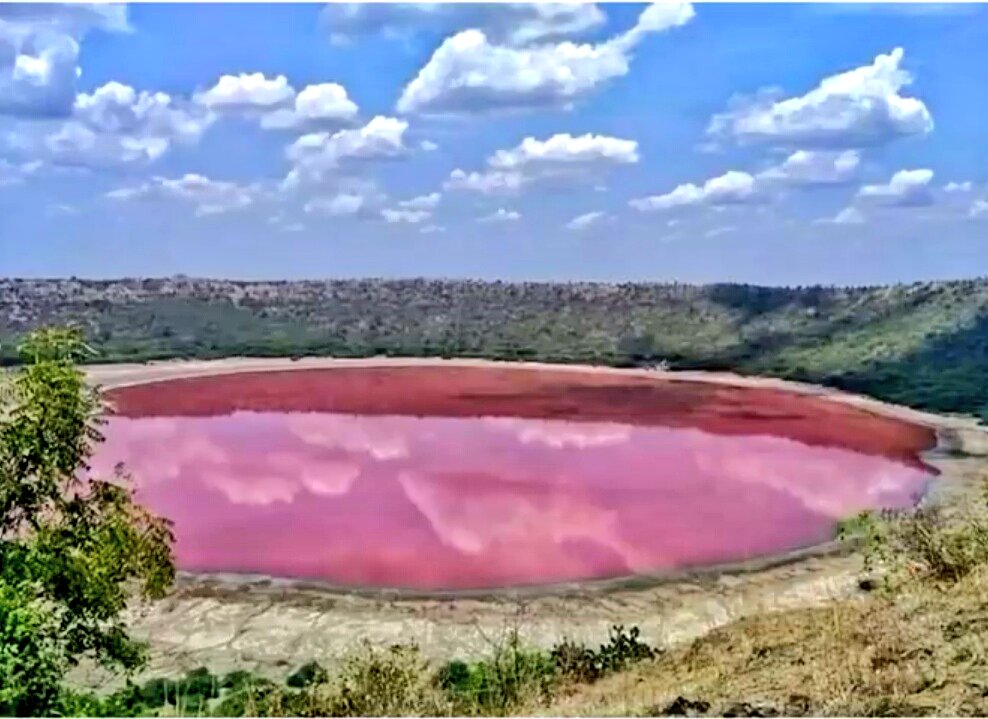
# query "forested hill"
(922, 344)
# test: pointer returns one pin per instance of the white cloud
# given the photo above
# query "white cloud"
(338, 206)
(407, 216)
(274, 102)
(118, 108)
(39, 53)
(471, 73)
(431, 229)
(731, 188)
(325, 104)
(428, 146)
(857, 108)
(718, 231)
(848, 216)
(247, 91)
(515, 23)
(488, 183)
(209, 197)
(582, 222)
(501, 215)
(978, 208)
(820, 167)
(422, 202)
(115, 124)
(566, 149)
(906, 188)
(560, 157)
(315, 155)
(14, 173)
(958, 186)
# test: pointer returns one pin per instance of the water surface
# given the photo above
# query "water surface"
(440, 478)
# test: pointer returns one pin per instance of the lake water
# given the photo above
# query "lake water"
(457, 478)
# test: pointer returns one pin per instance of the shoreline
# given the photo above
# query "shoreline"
(271, 624)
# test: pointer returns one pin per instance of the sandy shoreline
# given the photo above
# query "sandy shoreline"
(271, 625)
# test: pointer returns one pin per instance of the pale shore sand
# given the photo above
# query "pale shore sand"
(272, 626)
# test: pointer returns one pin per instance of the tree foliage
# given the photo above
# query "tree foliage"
(74, 548)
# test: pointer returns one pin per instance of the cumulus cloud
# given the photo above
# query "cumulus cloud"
(848, 216)
(731, 188)
(428, 146)
(513, 23)
(857, 108)
(488, 183)
(316, 155)
(907, 188)
(562, 156)
(276, 104)
(209, 197)
(979, 208)
(582, 222)
(471, 73)
(337, 206)
(820, 167)
(411, 217)
(718, 231)
(327, 103)
(39, 53)
(966, 186)
(564, 148)
(115, 125)
(422, 202)
(15, 173)
(501, 215)
(246, 91)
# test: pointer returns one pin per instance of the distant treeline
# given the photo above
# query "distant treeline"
(923, 344)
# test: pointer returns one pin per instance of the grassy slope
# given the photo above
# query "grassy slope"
(923, 344)
(922, 652)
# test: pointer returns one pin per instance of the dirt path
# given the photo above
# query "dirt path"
(272, 626)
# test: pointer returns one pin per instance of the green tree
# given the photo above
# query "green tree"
(74, 549)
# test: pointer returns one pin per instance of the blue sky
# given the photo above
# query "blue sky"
(777, 144)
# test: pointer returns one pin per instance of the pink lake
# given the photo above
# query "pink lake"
(435, 478)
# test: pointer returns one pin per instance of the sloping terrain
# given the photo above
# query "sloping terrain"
(923, 344)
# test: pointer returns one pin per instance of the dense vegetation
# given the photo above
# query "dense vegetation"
(922, 344)
(394, 681)
(73, 550)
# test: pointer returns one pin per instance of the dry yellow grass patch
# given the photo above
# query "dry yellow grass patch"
(919, 652)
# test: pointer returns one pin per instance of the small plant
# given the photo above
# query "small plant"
(391, 682)
(306, 675)
(922, 543)
(581, 664)
(512, 676)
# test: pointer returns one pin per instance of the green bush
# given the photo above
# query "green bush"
(306, 675)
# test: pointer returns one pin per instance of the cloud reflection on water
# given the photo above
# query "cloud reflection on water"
(459, 502)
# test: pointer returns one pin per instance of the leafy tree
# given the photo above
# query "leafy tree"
(74, 549)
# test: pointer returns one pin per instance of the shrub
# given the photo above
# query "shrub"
(513, 675)
(306, 675)
(923, 542)
(581, 664)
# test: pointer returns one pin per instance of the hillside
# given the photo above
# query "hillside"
(923, 344)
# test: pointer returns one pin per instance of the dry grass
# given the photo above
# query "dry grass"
(917, 651)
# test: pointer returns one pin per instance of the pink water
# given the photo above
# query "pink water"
(475, 501)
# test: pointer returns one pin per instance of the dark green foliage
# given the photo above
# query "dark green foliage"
(306, 675)
(495, 685)
(582, 664)
(72, 551)
(923, 344)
